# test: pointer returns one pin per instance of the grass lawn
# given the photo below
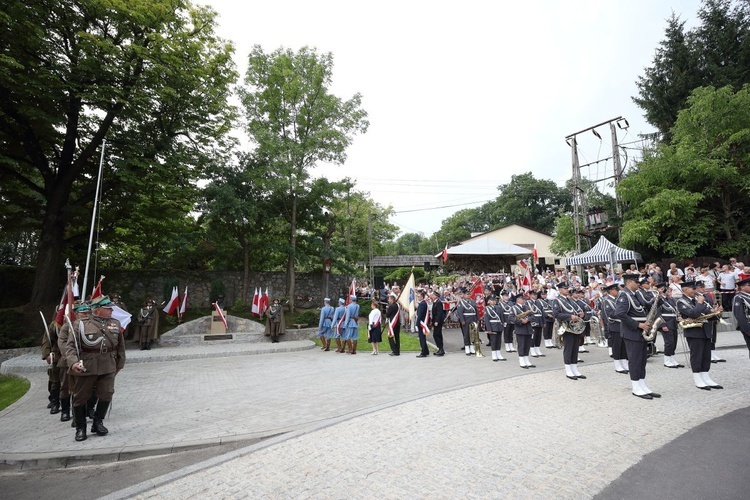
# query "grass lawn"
(408, 342)
(11, 389)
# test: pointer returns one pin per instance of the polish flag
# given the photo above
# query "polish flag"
(122, 316)
(444, 255)
(263, 303)
(183, 304)
(98, 289)
(173, 304)
(256, 303)
(221, 314)
(477, 295)
(352, 291)
(535, 255)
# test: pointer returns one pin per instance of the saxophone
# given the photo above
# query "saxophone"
(474, 339)
(696, 322)
(650, 334)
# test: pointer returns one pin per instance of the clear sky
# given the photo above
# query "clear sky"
(461, 96)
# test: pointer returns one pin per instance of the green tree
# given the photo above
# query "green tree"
(296, 122)
(149, 76)
(689, 196)
(408, 243)
(717, 52)
(564, 238)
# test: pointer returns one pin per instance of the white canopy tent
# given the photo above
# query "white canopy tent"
(604, 252)
(487, 246)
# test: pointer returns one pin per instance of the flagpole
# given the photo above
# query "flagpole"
(93, 220)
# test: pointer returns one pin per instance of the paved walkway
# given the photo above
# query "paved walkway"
(400, 426)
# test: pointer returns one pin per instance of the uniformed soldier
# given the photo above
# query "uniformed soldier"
(147, 329)
(523, 331)
(565, 311)
(698, 338)
(324, 324)
(51, 354)
(96, 353)
(616, 344)
(466, 311)
(700, 289)
(582, 305)
(83, 311)
(741, 309)
(549, 319)
(537, 322)
(337, 324)
(351, 323)
(275, 325)
(632, 315)
(493, 318)
(668, 312)
(507, 306)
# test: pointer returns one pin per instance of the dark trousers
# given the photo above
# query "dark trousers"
(537, 338)
(495, 340)
(714, 329)
(437, 332)
(547, 332)
(508, 333)
(636, 350)
(570, 348)
(84, 387)
(423, 343)
(700, 354)
(670, 342)
(747, 340)
(727, 296)
(618, 346)
(587, 330)
(395, 342)
(524, 344)
(465, 332)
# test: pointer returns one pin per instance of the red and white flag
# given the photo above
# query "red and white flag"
(352, 291)
(122, 316)
(263, 303)
(256, 303)
(173, 304)
(535, 255)
(221, 314)
(425, 325)
(524, 279)
(477, 295)
(97, 289)
(444, 255)
(183, 304)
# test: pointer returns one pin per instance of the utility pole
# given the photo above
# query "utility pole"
(576, 192)
(369, 238)
(618, 175)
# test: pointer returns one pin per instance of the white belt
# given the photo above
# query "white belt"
(638, 319)
(496, 321)
(668, 315)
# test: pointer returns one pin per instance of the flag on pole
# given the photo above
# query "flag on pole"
(122, 316)
(524, 278)
(352, 291)
(263, 303)
(407, 298)
(221, 314)
(183, 304)
(98, 289)
(535, 255)
(173, 304)
(256, 303)
(444, 255)
(65, 308)
(477, 295)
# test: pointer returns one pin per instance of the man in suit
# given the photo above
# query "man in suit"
(698, 338)
(422, 321)
(632, 315)
(437, 317)
(393, 317)
(741, 309)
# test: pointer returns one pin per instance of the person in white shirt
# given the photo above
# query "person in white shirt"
(707, 279)
(552, 293)
(674, 266)
(727, 282)
(674, 285)
(374, 327)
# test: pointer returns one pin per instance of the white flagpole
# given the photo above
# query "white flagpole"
(93, 220)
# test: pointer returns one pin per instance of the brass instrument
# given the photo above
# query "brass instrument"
(474, 339)
(524, 314)
(650, 334)
(696, 322)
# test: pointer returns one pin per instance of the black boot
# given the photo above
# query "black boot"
(101, 412)
(65, 404)
(55, 408)
(90, 405)
(80, 413)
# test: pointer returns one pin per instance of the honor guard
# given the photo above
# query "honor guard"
(741, 309)
(521, 319)
(147, 329)
(96, 353)
(83, 312)
(632, 315)
(507, 307)
(668, 313)
(351, 322)
(422, 320)
(337, 324)
(564, 311)
(537, 322)
(275, 325)
(467, 314)
(324, 324)
(612, 325)
(692, 306)
(493, 318)
(51, 354)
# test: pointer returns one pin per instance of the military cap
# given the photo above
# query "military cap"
(436, 293)
(342, 301)
(699, 284)
(327, 300)
(610, 287)
(353, 297)
(662, 285)
(82, 306)
(504, 293)
(101, 301)
(744, 282)
(562, 285)
(630, 277)
(689, 284)
(644, 281)
(532, 292)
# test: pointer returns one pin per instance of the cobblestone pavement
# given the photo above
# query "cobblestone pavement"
(533, 436)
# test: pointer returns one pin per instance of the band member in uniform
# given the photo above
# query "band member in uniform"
(612, 327)
(537, 323)
(337, 324)
(507, 307)
(741, 309)
(422, 319)
(582, 304)
(700, 289)
(393, 316)
(493, 318)
(523, 331)
(632, 315)
(698, 338)
(437, 317)
(324, 324)
(96, 353)
(351, 321)
(565, 312)
(374, 327)
(668, 312)
(467, 313)
(549, 320)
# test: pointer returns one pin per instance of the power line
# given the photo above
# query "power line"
(437, 208)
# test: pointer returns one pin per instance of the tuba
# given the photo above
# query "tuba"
(474, 338)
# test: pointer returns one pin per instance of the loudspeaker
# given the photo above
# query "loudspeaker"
(427, 267)
(378, 282)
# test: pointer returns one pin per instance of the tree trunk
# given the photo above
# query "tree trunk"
(292, 252)
(49, 278)
(245, 268)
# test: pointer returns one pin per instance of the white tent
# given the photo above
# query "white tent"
(482, 245)
(604, 252)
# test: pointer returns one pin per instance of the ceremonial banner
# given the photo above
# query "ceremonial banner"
(173, 304)
(407, 299)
